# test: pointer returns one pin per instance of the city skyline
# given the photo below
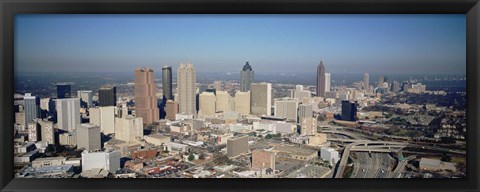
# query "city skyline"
(428, 44)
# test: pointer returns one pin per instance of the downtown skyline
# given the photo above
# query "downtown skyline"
(429, 44)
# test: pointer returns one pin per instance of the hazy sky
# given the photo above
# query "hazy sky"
(222, 43)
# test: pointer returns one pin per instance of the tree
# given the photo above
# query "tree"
(191, 157)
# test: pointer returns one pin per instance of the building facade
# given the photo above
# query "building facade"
(246, 77)
(68, 113)
(88, 137)
(261, 98)
(321, 80)
(146, 105)
(167, 83)
(186, 88)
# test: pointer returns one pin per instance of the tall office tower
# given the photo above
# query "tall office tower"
(85, 98)
(221, 104)
(263, 159)
(31, 107)
(349, 111)
(107, 120)
(308, 126)
(68, 113)
(145, 99)
(207, 103)
(63, 90)
(246, 77)
(327, 82)
(305, 110)
(366, 81)
(217, 85)
(106, 160)
(242, 102)
(186, 81)
(171, 108)
(237, 146)
(34, 132)
(47, 104)
(381, 80)
(231, 103)
(321, 80)
(94, 115)
(405, 86)
(287, 108)
(128, 129)
(261, 99)
(47, 132)
(88, 137)
(395, 86)
(167, 83)
(300, 93)
(107, 96)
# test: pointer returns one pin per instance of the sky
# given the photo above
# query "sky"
(401, 44)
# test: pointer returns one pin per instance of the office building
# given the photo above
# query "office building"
(242, 102)
(321, 80)
(129, 129)
(86, 98)
(167, 83)
(222, 101)
(31, 107)
(381, 80)
(88, 137)
(34, 132)
(261, 98)
(237, 146)
(246, 77)
(349, 111)
(146, 105)
(63, 90)
(287, 108)
(47, 132)
(106, 160)
(207, 102)
(308, 126)
(68, 138)
(330, 155)
(94, 115)
(366, 81)
(171, 108)
(107, 120)
(107, 96)
(186, 87)
(305, 110)
(327, 82)
(217, 85)
(68, 113)
(263, 159)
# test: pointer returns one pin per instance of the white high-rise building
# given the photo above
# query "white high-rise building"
(242, 102)
(221, 103)
(327, 82)
(287, 108)
(68, 113)
(261, 98)
(86, 96)
(88, 137)
(329, 154)
(128, 129)
(107, 119)
(186, 81)
(106, 160)
(300, 93)
(207, 103)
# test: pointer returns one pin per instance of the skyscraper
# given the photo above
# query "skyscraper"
(107, 96)
(327, 82)
(85, 98)
(217, 85)
(221, 103)
(128, 128)
(88, 137)
(171, 108)
(31, 107)
(186, 81)
(68, 113)
(207, 103)
(246, 77)
(63, 90)
(366, 81)
(305, 110)
(107, 120)
(287, 108)
(261, 98)
(381, 80)
(145, 98)
(349, 111)
(167, 83)
(321, 80)
(242, 102)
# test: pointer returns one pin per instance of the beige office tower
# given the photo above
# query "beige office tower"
(186, 80)
(261, 98)
(327, 82)
(88, 137)
(207, 103)
(237, 146)
(68, 113)
(94, 114)
(366, 81)
(171, 108)
(128, 129)
(221, 104)
(287, 108)
(308, 126)
(107, 120)
(33, 131)
(263, 159)
(145, 99)
(242, 102)
(231, 103)
(217, 85)
(48, 132)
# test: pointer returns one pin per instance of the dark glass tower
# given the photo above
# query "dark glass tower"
(107, 96)
(321, 80)
(246, 77)
(349, 111)
(167, 83)
(63, 90)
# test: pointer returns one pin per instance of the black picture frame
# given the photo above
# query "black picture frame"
(9, 8)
